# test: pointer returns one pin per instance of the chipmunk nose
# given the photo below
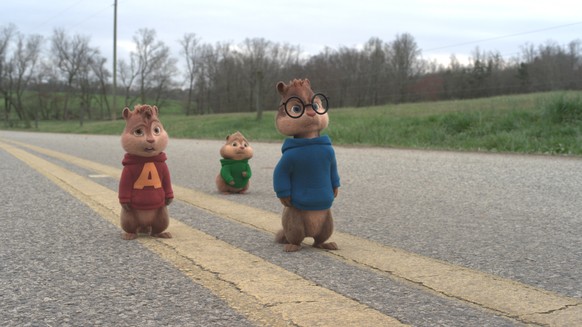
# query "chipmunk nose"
(310, 112)
(150, 139)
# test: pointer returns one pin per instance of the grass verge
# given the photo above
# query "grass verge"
(548, 123)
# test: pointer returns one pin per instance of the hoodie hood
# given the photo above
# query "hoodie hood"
(225, 162)
(291, 143)
(132, 159)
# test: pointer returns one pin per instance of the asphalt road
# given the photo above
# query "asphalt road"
(513, 216)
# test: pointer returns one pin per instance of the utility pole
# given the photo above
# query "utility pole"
(113, 93)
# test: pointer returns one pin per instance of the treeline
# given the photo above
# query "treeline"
(64, 77)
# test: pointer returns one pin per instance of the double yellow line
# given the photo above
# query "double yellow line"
(270, 295)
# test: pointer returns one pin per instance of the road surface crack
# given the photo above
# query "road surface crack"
(567, 306)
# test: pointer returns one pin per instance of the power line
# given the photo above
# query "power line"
(503, 36)
(84, 20)
(57, 14)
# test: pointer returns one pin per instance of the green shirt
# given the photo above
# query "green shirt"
(232, 170)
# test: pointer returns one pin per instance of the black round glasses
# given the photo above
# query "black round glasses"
(295, 107)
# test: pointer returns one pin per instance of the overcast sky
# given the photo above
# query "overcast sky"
(440, 28)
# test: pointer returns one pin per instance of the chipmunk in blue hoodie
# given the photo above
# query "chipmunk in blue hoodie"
(306, 178)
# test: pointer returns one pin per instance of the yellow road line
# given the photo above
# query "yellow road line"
(510, 298)
(265, 293)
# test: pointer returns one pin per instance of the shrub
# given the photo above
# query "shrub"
(456, 123)
(563, 109)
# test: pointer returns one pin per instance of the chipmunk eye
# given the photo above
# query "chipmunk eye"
(157, 130)
(246, 145)
(296, 109)
(138, 132)
(315, 106)
(234, 144)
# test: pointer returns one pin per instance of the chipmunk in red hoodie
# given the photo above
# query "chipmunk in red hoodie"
(145, 188)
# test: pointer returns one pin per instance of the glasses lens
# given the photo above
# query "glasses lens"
(320, 103)
(294, 107)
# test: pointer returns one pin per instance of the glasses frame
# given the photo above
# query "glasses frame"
(325, 105)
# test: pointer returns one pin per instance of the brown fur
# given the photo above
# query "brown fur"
(145, 119)
(307, 126)
(299, 224)
(235, 149)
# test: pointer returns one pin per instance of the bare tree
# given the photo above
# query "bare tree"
(375, 70)
(349, 73)
(479, 73)
(46, 85)
(191, 50)
(127, 75)
(21, 69)
(285, 60)
(286, 56)
(90, 85)
(155, 67)
(255, 61)
(403, 62)
(6, 35)
(227, 87)
(102, 76)
(70, 55)
(205, 77)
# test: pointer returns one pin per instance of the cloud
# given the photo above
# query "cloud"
(450, 26)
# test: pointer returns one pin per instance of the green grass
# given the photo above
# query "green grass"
(549, 123)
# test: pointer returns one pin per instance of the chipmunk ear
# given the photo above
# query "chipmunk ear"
(281, 87)
(156, 110)
(126, 112)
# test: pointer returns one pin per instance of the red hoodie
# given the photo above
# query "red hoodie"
(145, 182)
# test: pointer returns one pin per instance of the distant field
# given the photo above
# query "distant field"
(548, 123)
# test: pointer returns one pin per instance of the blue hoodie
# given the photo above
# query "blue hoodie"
(307, 172)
